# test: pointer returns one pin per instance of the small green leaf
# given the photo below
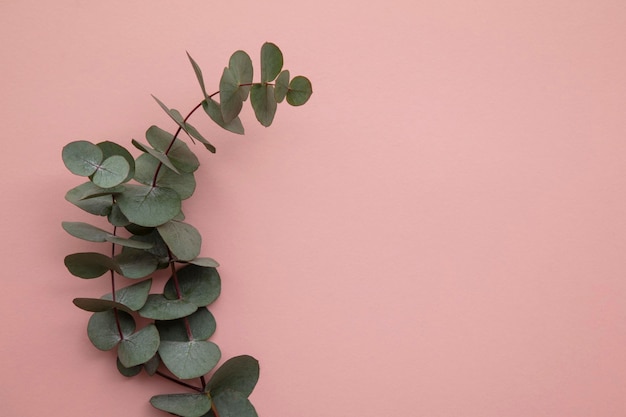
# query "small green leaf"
(99, 206)
(241, 66)
(201, 323)
(165, 160)
(183, 239)
(198, 285)
(230, 97)
(208, 262)
(184, 184)
(185, 405)
(158, 307)
(263, 103)
(193, 132)
(139, 347)
(111, 148)
(271, 62)
(103, 331)
(214, 110)
(89, 264)
(82, 157)
(134, 296)
(179, 153)
(198, 72)
(300, 91)
(116, 217)
(136, 263)
(111, 172)
(152, 365)
(96, 305)
(233, 403)
(128, 372)
(190, 359)
(240, 374)
(172, 113)
(149, 206)
(282, 86)
(85, 231)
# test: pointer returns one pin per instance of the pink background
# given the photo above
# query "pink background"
(439, 232)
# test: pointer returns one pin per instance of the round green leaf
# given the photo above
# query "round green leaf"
(139, 347)
(241, 66)
(198, 285)
(281, 86)
(82, 157)
(111, 148)
(128, 372)
(149, 206)
(185, 405)
(158, 307)
(190, 359)
(231, 100)
(240, 374)
(233, 403)
(184, 184)
(136, 263)
(271, 62)
(201, 323)
(89, 264)
(263, 103)
(113, 171)
(183, 239)
(102, 328)
(300, 91)
(134, 296)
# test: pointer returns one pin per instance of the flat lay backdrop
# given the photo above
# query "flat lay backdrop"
(439, 232)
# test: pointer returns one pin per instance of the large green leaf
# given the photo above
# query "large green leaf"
(241, 66)
(96, 305)
(136, 263)
(111, 172)
(263, 103)
(89, 264)
(198, 285)
(158, 307)
(85, 231)
(231, 100)
(149, 206)
(184, 184)
(100, 206)
(271, 62)
(139, 347)
(198, 72)
(178, 152)
(214, 110)
(164, 159)
(281, 86)
(103, 331)
(233, 403)
(82, 157)
(185, 405)
(111, 148)
(133, 296)
(201, 324)
(190, 359)
(300, 91)
(183, 239)
(240, 374)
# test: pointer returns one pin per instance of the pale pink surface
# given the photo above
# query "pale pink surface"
(440, 231)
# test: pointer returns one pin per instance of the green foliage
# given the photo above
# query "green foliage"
(141, 199)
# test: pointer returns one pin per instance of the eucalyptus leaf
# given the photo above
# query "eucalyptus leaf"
(129, 243)
(209, 262)
(281, 86)
(201, 324)
(116, 217)
(241, 66)
(111, 172)
(103, 331)
(136, 263)
(183, 240)
(190, 359)
(184, 405)
(184, 184)
(158, 307)
(128, 372)
(96, 305)
(164, 159)
(263, 103)
(300, 91)
(240, 374)
(233, 403)
(177, 151)
(89, 264)
(81, 157)
(152, 365)
(172, 113)
(193, 132)
(85, 231)
(214, 110)
(149, 206)
(100, 206)
(198, 72)
(271, 62)
(133, 296)
(198, 285)
(139, 347)
(231, 100)
(111, 148)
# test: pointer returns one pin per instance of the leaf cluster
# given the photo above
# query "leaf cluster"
(142, 199)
